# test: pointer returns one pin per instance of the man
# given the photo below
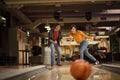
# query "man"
(54, 43)
(81, 38)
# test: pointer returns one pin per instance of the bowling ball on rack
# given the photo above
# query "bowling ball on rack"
(80, 69)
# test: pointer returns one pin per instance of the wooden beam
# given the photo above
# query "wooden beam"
(33, 25)
(69, 8)
(113, 31)
(80, 19)
(20, 16)
(49, 1)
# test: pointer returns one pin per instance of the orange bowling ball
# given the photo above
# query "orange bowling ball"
(80, 69)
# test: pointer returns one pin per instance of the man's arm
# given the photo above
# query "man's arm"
(50, 37)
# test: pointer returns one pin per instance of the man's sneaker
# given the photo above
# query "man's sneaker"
(59, 65)
(97, 62)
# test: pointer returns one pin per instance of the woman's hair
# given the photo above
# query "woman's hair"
(73, 25)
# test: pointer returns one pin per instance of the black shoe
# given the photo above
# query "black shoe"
(59, 64)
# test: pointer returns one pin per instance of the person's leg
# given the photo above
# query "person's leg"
(52, 54)
(83, 46)
(89, 55)
(58, 49)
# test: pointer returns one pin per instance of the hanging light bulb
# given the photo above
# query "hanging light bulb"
(47, 26)
(49, 29)
(28, 33)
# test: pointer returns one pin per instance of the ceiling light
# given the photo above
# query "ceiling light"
(101, 33)
(107, 28)
(3, 18)
(47, 26)
(102, 37)
(28, 33)
(48, 29)
(111, 11)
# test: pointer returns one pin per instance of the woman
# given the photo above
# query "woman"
(81, 38)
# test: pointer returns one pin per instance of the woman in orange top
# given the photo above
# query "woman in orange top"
(81, 38)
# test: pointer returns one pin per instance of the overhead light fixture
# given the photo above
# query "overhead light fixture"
(88, 16)
(48, 29)
(102, 36)
(57, 15)
(3, 18)
(47, 26)
(111, 11)
(28, 33)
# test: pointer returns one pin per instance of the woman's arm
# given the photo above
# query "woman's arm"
(85, 35)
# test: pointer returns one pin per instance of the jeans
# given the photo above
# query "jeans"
(55, 47)
(84, 50)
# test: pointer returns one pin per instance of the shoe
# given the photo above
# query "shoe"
(52, 65)
(97, 62)
(59, 65)
(50, 68)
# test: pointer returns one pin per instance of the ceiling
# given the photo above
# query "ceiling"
(35, 14)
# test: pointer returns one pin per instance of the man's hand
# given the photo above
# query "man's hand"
(55, 42)
(52, 41)
(90, 39)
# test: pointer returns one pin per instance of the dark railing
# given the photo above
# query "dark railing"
(25, 56)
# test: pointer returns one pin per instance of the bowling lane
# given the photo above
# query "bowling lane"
(63, 73)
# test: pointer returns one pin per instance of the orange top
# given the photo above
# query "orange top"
(79, 36)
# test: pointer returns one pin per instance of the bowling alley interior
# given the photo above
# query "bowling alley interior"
(25, 26)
